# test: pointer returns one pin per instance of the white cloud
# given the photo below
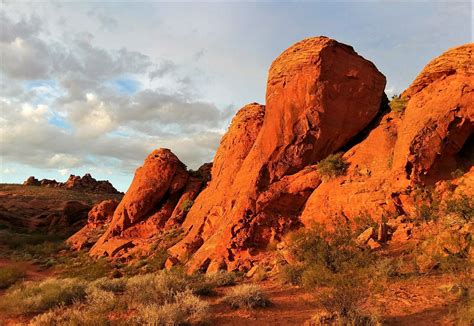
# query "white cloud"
(63, 171)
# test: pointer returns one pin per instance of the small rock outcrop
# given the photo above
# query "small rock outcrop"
(97, 219)
(86, 184)
(159, 197)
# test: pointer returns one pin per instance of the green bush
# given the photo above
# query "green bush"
(427, 212)
(221, 278)
(290, 274)
(332, 166)
(84, 267)
(462, 206)
(398, 104)
(246, 296)
(9, 275)
(35, 297)
(116, 285)
(100, 301)
(187, 204)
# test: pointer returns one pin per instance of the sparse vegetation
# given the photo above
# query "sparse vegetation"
(462, 206)
(73, 315)
(332, 166)
(10, 275)
(185, 308)
(36, 297)
(246, 296)
(186, 205)
(398, 104)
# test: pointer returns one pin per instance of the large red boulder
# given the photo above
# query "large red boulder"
(439, 119)
(425, 144)
(159, 198)
(320, 95)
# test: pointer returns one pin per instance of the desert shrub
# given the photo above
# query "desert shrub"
(157, 261)
(462, 206)
(465, 309)
(100, 301)
(38, 247)
(84, 267)
(343, 303)
(332, 166)
(71, 316)
(187, 204)
(9, 275)
(322, 255)
(115, 285)
(160, 287)
(427, 212)
(246, 296)
(362, 222)
(290, 274)
(184, 309)
(222, 278)
(452, 264)
(398, 104)
(35, 297)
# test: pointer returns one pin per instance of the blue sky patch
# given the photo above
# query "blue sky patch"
(126, 85)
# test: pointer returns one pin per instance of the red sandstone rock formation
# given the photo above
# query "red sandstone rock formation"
(321, 98)
(160, 195)
(426, 144)
(320, 94)
(98, 217)
(32, 181)
(86, 183)
(439, 119)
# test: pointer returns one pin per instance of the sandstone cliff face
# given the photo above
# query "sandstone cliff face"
(439, 119)
(426, 144)
(322, 97)
(320, 94)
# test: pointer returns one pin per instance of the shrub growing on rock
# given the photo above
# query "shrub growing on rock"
(332, 166)
(398, 104)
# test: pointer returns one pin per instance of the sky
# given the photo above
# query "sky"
(94, 86)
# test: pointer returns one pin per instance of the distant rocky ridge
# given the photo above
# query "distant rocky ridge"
(322, 98)
(85, 183)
